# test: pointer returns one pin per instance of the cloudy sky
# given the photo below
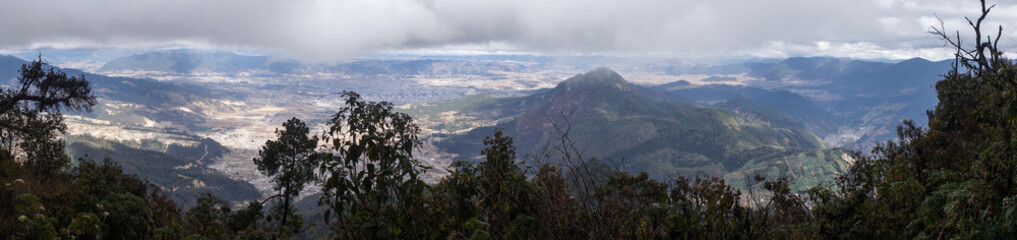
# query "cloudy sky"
(336, 30)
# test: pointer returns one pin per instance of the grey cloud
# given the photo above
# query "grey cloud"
(333, 30)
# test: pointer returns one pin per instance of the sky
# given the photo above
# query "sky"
(342, 29)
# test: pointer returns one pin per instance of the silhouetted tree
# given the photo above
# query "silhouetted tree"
(290, 160)
(30, 115)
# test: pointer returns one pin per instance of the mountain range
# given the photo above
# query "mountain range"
(188, 62)
(639, 129)
(851, 103)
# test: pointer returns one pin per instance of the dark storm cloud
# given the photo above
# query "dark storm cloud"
(331, 30)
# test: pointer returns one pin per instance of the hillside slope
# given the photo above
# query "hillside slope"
(181, 170)
(627, 126)
(850, 103)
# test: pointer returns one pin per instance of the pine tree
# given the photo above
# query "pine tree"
(290, 161)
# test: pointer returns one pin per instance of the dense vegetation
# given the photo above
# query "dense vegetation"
(955, 179)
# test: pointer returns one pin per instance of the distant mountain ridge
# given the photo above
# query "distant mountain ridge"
(187, 62)
(854, 103)
(192, 61)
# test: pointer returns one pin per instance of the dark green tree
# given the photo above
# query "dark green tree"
(290, 160)
(129, 216)
(246, 218)
(372, 180)
(506, 196)
(30, 115)
(208, 218)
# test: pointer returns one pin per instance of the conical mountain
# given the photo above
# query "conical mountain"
(611, 119)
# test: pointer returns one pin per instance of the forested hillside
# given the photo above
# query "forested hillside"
(181, 171)
(849, 103)
(635, 129)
